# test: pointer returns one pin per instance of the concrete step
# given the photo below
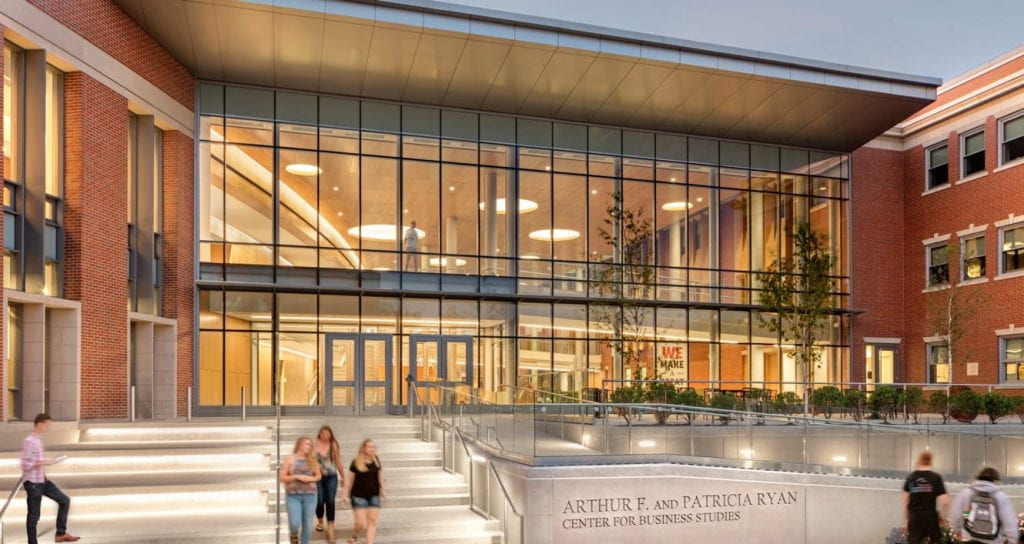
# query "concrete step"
(404, 501)
(435, 525)
(173, 433)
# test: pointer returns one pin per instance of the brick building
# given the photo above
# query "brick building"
(938, 206)
(324, 197)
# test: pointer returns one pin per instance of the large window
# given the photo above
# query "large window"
(938, 363)
(13, 121)
(1012, 141)
(344, 192)
(53, 239)
(1011, 248)
(937, 159)
(1011, 353)
(972, 266)
(938, 265)
(973, 146)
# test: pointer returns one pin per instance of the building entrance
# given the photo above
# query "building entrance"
(359, 373)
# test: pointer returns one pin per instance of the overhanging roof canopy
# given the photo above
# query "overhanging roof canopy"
(442, 54)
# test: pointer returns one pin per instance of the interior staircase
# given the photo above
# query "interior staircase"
(213, 481)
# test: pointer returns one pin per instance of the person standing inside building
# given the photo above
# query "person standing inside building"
(364, 487)
(411, 244)
(37, 486)
(983, 513)
(924, 497)
(328, 453)
(300, 473)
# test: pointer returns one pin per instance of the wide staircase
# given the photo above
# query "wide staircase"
(214, 482)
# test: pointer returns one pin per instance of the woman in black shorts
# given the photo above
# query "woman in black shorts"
(364, 486)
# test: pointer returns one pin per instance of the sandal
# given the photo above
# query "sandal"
(319, 527)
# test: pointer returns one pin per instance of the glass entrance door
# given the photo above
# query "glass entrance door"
(359, 368)
(441, 358)
(880, 364)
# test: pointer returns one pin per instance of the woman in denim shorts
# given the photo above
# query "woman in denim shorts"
(364, 486)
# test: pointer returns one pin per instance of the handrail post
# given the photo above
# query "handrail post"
(243, 403)
(131, 404)
(188, 404)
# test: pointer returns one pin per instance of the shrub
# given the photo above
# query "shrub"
(630, 394)
(1018, 407)
(965, 405)
(660, 393)
(787, 403)
(723, 401)
(689, 397)
(913, 399)
(854, 401)
(938, 402)
(996, 406)
(884, 400)
(827, 399)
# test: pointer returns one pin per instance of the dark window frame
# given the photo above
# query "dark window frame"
(973, 163)
(936, 176)
(936, 275)
(1004, 144)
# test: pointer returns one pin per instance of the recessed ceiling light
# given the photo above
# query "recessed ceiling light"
(525, 206)
(381, 233)
(300, 169)
(451, 188)
(341, 214)
(530, 257)
(672, 179)
(554, 235)
(335, 187)
(700, 199)
(444, 262)
(548, 168)
(593, 191)
(676, 206)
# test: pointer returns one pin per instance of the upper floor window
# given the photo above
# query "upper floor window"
(973, 265)
(1012, 140)
(974, 153)
(938, 363)
(938, 265)
(53, 232)
(1012, 356)
(13, 122)
(938, 165)
(1012, 249)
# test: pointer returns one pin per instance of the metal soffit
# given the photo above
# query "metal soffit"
(441, 54)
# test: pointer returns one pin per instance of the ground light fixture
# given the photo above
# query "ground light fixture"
(525, 206)
(746, 453)
(381, 233)
(676, 206)
(646, 443)
(839, 458)
(300, 169)
(554, 235)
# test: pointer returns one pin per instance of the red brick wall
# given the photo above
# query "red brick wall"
(96, 209)
(889, 257)
(107, 27)
(877, 216)
(971, 85)
(178, 256)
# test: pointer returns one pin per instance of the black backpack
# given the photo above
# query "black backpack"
(981, 518)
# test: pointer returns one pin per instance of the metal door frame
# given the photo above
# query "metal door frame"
(359, 383)
(442, 341)
(876, 347)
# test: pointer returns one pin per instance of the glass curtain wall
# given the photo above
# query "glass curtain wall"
(337, 195)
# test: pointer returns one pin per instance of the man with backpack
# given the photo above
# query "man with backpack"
(923, 490)
(983, 513)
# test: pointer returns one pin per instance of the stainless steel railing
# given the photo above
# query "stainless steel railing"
(450, 431)
(525, 431)
(7, 503)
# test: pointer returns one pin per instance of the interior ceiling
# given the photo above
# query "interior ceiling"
(407, 54)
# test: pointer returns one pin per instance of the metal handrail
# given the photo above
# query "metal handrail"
(7, 504)
(764, 383)
(508, 502)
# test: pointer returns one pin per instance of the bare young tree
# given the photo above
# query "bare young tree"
(626, 281)
(951, 306)
(796, 293)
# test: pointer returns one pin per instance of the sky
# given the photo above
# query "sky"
(939, 38)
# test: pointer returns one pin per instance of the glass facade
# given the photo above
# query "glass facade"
(476, 248)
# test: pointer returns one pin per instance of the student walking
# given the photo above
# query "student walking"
(924, 498)
(328, 454)
(37, 486)
(300, 473)
(364, 486)
(983, 513)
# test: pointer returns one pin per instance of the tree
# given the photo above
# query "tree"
(626, 281)
(951, 308)
(796, 293)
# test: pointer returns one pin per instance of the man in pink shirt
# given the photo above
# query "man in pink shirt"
(37, 486)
